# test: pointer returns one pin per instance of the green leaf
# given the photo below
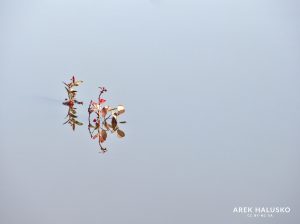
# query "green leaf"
(66, 84)
(67, 89)
(72, 115)
(73, 111)
(91, 126)
(79, 123)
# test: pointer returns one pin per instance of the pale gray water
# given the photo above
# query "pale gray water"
(211, 90)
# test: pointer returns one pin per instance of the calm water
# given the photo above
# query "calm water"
(211, 90)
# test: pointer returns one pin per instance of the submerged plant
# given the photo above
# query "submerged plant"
(71, 101)
(103, 120)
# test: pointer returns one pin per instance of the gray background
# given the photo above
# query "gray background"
(211, 90)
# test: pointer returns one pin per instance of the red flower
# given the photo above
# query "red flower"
(69, 103)
(102, 101)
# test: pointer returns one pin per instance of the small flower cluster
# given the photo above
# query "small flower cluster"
(71, 101)
(103, 119)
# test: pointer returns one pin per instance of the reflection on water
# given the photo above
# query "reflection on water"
(71, 101)
(103, 119)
